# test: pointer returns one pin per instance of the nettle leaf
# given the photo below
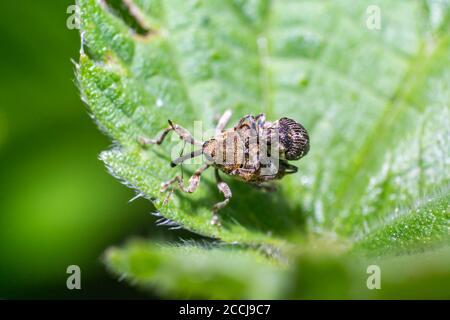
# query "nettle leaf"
(375, 103)
(193, 270)
(227, 272)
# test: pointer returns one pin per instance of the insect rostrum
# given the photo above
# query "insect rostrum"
(255, 151)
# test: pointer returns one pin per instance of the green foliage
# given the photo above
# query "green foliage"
(225, 272)
(376, 105)
(188, 269)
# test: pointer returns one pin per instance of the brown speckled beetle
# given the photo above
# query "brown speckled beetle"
(254, 151)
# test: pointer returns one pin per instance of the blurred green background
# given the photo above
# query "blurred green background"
(58, 204)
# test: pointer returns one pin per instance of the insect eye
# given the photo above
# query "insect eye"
(294, 138)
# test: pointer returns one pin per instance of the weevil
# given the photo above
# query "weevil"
(255, 151)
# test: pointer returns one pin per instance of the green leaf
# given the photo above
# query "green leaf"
(329, 276)
(195, 271)
(376, 104)
(224, 272)
(424, 227)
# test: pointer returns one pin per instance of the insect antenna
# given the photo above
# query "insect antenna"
(181, 159)
(181, 164)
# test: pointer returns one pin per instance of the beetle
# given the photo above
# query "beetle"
(254, 151)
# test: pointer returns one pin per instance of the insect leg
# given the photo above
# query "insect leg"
(194, 181)
(183, 133)
(223, 121)
(288, 168)
(226, 191)
(146, 141)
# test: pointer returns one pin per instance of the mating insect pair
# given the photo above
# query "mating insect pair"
(254, 151)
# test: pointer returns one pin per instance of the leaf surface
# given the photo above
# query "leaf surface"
(375, 103)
